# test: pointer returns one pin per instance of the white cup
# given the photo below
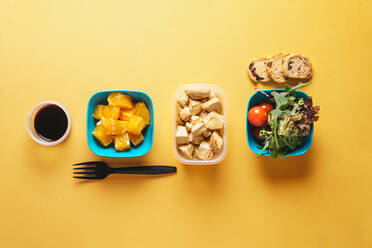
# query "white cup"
(30, 124)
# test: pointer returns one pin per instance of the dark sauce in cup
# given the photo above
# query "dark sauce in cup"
(51, 122)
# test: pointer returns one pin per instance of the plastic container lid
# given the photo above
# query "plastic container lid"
(222, 96)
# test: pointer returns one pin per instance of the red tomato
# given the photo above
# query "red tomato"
(256, 134)
(257, 116)
(266, 106)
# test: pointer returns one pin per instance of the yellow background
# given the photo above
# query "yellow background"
(67, 50)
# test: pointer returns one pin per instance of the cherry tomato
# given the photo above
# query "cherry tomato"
(266, 106)
(257, 116)
(256, 134)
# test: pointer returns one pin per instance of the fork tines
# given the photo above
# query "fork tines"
(85, 177)
(85, 170)
(86, 163)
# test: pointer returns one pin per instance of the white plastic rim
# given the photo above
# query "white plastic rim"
(218, 159)
(31, 127)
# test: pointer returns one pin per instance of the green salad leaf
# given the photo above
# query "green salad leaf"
(292, 89)
(288, 122)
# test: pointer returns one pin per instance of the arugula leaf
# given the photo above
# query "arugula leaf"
(277, 152)
(295, 107)
(291, 89)
(288, 141)
(275, 113)
(280, 99)
(291, 100)
(264, 148)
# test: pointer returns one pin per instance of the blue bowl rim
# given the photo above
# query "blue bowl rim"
(125, 155)
(247, 124)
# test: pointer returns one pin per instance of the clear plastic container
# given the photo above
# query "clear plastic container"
(222, 96)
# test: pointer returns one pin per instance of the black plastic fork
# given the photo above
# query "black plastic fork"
(100, 170)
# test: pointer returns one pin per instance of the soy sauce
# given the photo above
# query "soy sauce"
(51, 122)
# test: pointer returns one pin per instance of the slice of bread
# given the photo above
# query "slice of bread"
(274, 68)
(297, 66)
(257, 70)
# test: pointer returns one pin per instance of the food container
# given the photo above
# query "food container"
(257, 98)
(222, 96)
(148, 132)
(31, 127)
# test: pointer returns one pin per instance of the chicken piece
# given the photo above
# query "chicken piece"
(196, 139)
(214, 121)
(183, 99)
(213, 104)
(187, 150)
(198, 93)
(215, 142)
(195, 107)
(182, 137)
(179, 121)
(178, 118)
(206, 133)
(198, 129)
(204, 152)
(185, 114)
(203, 114)
(195, 120)
(188, 126)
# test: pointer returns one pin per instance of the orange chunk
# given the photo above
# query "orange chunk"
(112, 112)
(135, 125)
(125, 114)
(120, 99)
(98, 112)
(114, 127)
(141, 110)
(136, 139)
(122, 142)
(100, 134)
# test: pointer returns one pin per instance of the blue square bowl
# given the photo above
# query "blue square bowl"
(148, 132)
(257, 98)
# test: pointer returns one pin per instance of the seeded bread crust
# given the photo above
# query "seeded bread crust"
(274, 68)
(257, 70)
(297, 66)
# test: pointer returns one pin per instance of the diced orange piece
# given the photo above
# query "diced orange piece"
(125, 114)
(98, 112)
(112, 112)
(120, 99)
(136, 139)
(135, 125)
(114, 127)
(122, 142)
(141, 110)
(100, 134)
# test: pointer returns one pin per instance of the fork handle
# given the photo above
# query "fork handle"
(147, 170)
